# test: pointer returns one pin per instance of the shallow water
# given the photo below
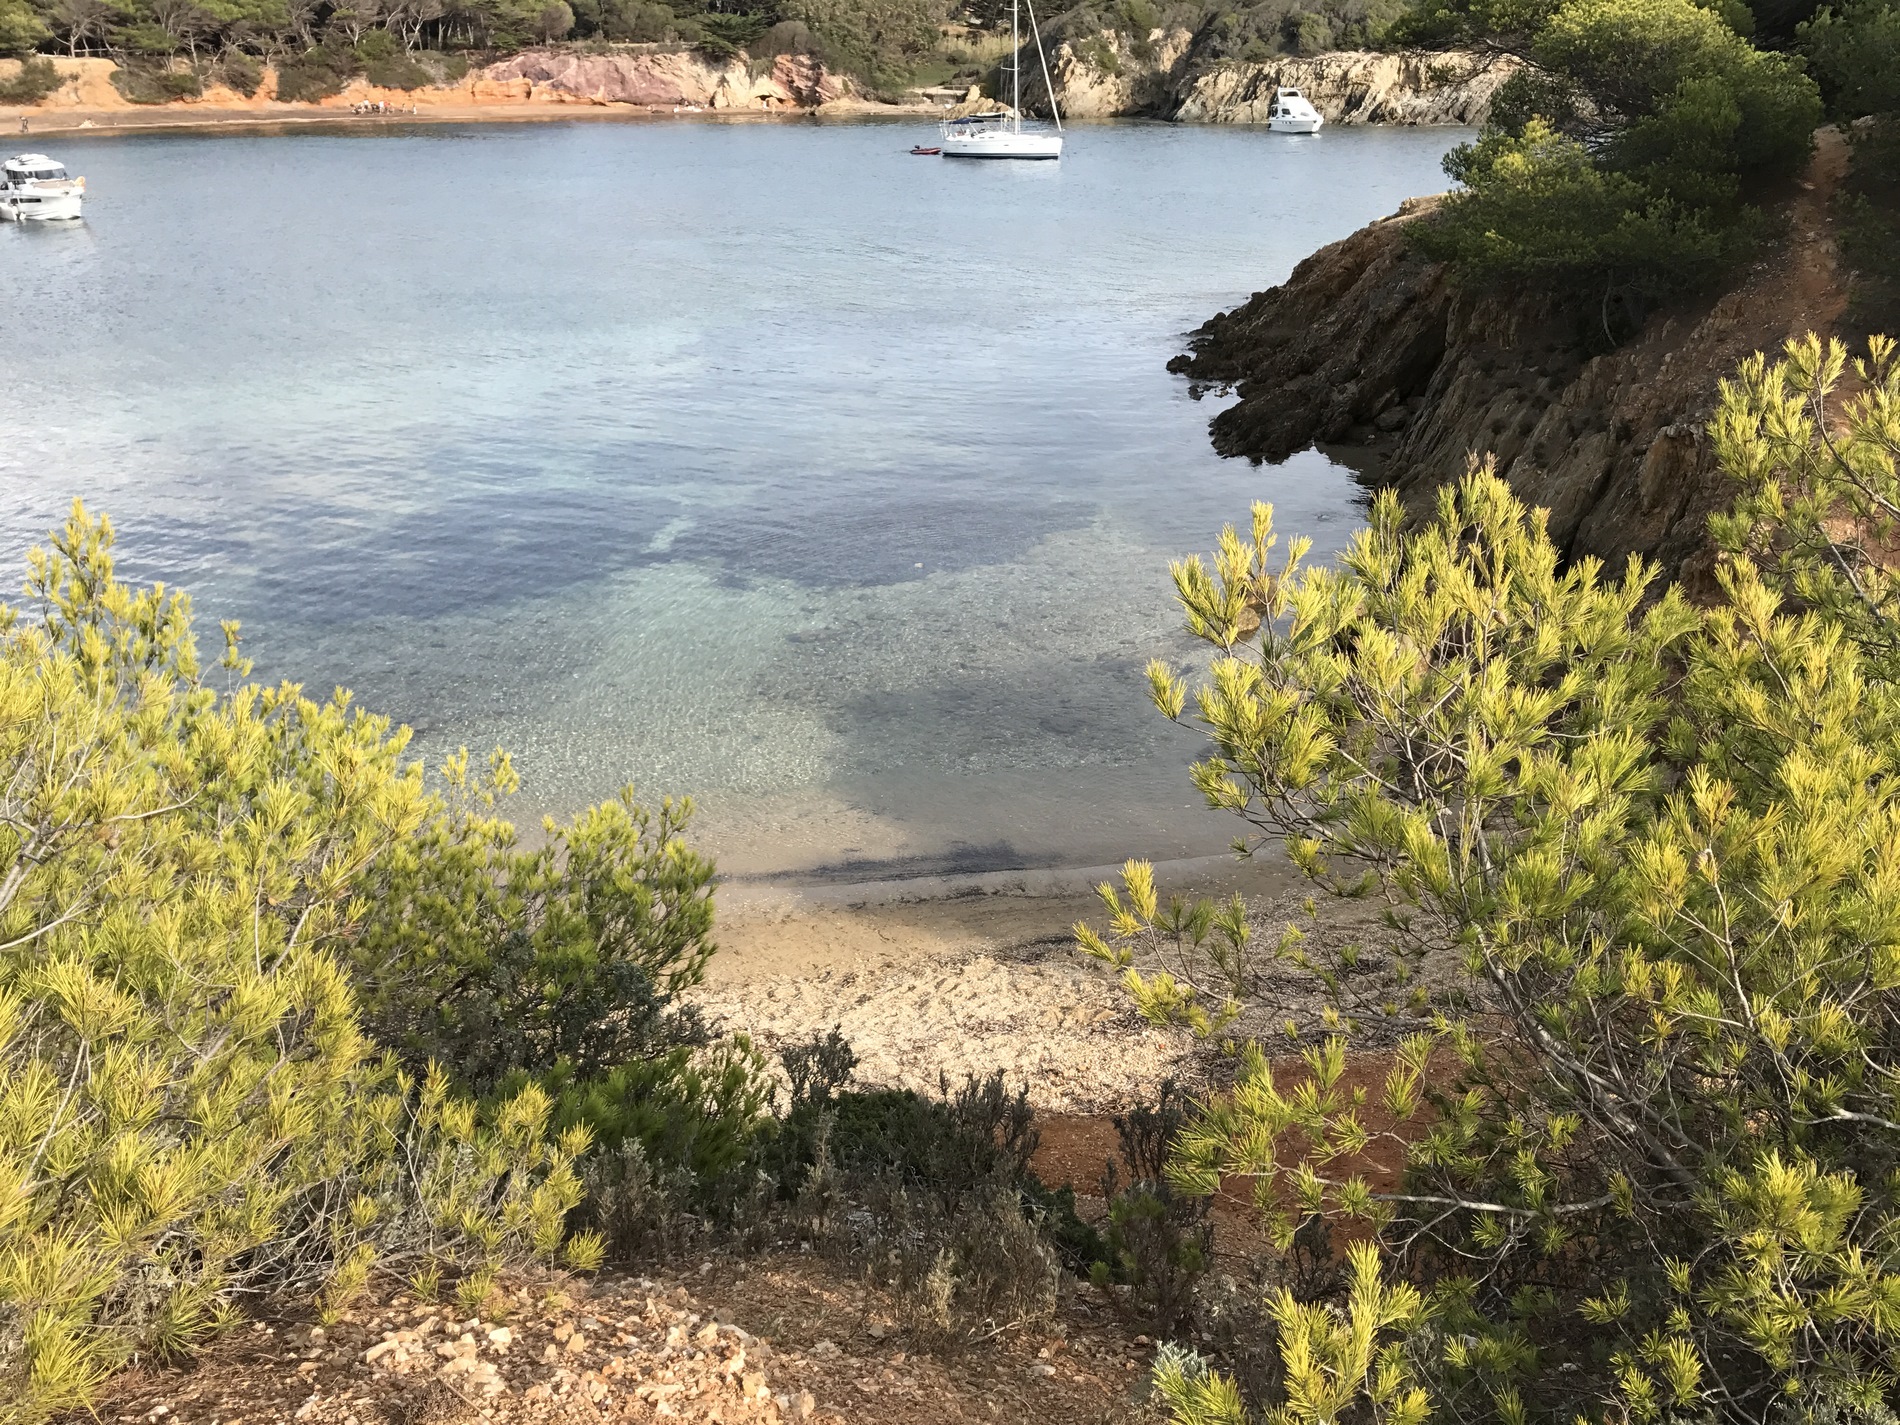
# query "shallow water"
(762, 462)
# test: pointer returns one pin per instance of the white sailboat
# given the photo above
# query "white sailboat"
(1003, 135)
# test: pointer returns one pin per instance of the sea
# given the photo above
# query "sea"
(762, 463)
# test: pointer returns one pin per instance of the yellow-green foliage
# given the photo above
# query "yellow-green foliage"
(1657, 1172)
(187, 1106)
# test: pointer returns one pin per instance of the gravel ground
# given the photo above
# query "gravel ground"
(786, 1338)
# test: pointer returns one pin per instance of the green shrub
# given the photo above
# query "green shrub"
(21, 28)
(38, 79)
(882, 41)
(400, 72)
(1620, 164)
(240, 72)
(1852, 51)
(314, 75)
(941, 1155)
(638, 21)
(1650, 1143)
(189, 1111)
(1159, 1238)
(1538, 213)
(1867, 218)
(156, 84)
(700, 1114)
(491, 960)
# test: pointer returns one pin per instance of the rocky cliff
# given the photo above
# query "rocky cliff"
(1370, 347)
(649, 77)
(1161, 76)
(667, 78)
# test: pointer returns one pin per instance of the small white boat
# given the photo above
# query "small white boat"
(1003, 135)
(35, 189)
(1290, 113)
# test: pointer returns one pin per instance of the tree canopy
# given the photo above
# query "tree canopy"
(1625, 159)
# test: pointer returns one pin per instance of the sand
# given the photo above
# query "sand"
(968, 975)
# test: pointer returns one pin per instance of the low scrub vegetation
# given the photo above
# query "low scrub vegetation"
(36, 80)
(190, 1112)
(279, 1015)
(1649, 1137)
(1628, 157)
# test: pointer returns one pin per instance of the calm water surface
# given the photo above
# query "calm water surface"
(762, 462)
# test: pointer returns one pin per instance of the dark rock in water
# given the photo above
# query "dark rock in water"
(1367, 336)
(1358, 328)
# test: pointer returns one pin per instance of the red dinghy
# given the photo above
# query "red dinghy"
(925, 152)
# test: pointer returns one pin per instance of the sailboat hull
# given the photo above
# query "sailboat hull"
(1002, 143)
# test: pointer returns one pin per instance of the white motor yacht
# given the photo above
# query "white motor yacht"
(34, 188)
(1003, 135)
(1290, 113)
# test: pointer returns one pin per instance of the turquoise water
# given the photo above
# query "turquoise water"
(762, 462)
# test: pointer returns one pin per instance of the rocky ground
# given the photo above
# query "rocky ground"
(785, 1337)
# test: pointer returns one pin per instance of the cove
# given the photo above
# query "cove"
(765, 462)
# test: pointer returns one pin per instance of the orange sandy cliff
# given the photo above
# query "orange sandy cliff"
(655, 80)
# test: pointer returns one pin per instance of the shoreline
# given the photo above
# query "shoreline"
(268, 116)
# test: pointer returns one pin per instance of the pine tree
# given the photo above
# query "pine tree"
(1652, 1140)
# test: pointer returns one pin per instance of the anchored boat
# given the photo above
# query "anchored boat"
(1003, 135)
(1290, 113)
(36, 189)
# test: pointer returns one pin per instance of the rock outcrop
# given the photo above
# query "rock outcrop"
(1350, 88)
(1369, 345)
(1160, 75)
(668, 78)
(648, 77)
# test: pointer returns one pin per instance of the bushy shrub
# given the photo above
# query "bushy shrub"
(638, 21)
(493, 960)
(1158, 1238)
(38, 79)
(702, 1117)
(1854, 53)
(1621, 163)
(882, 41)
(315, 74)
(1867, 223)
(240, 72)
(936, 1191)
(1650, 1145)
(160, 83)
(188, 1108)
(21, 28)
(1852, 50)
(387, 65)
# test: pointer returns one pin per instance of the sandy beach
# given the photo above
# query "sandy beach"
(973, 974)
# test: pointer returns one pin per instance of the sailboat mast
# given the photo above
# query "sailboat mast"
(1016, 64)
